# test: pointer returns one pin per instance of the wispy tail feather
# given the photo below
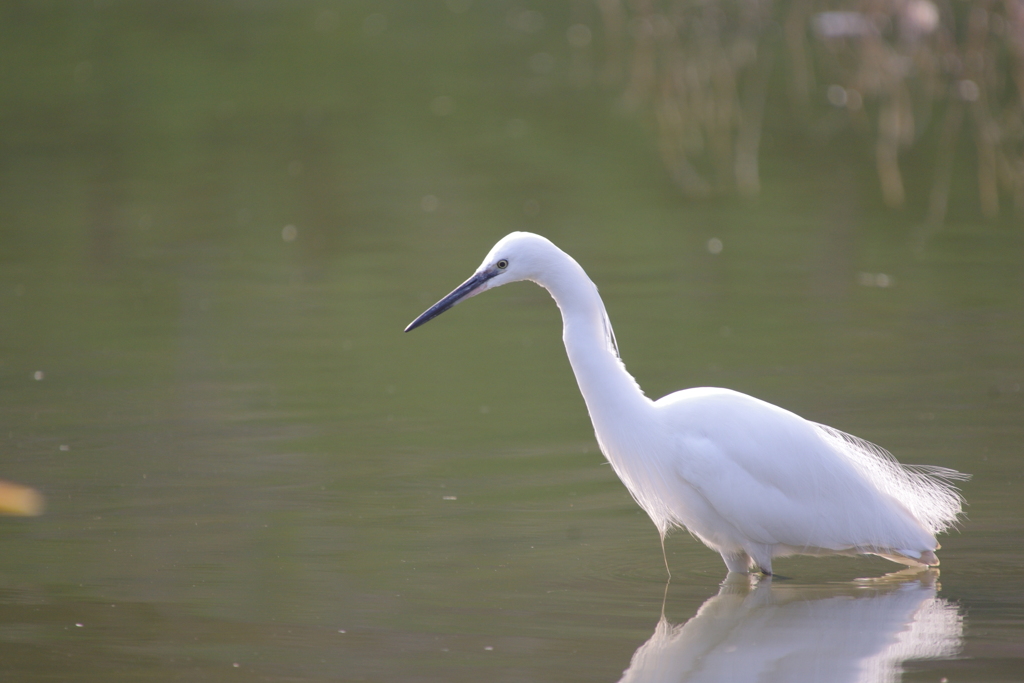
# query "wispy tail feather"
(927, 491)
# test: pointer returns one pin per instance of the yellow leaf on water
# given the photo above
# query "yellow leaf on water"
(16, 499)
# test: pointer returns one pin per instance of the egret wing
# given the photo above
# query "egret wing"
(770, 475)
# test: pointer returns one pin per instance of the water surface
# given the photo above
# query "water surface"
(215, 225)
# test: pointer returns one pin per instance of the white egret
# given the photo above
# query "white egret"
(751, 480)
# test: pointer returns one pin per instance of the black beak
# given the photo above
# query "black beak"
(467, 289)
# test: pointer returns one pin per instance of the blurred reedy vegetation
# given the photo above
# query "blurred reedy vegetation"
(901, 73)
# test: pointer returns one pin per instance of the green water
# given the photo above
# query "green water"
(253, 474)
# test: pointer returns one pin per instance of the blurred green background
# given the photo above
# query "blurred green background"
(217, 217)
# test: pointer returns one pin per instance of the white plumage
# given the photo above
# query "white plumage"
(751, 480)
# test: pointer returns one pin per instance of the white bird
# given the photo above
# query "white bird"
(751, 480)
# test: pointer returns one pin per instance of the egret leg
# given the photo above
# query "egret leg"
(664, 597)
(737, 562)
(664, 556)
(760, 558)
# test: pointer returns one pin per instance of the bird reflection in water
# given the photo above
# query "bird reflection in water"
(755, 631)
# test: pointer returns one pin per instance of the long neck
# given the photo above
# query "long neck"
(611, 393)
(624, 419)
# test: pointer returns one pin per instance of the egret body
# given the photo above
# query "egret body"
(751, 480)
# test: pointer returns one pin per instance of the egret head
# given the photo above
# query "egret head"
(517, 256)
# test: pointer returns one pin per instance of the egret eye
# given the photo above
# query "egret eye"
(502, 264)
